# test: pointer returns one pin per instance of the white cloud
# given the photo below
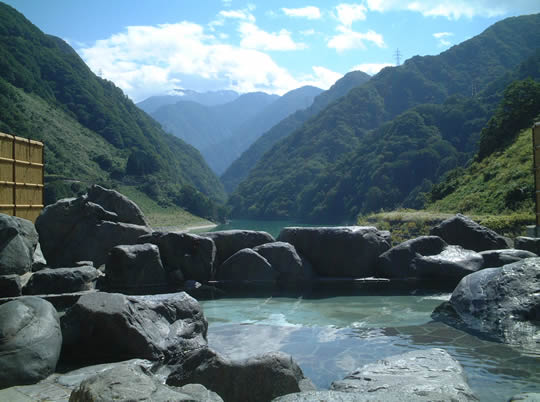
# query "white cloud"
(255, 38)
(371, 68)
(308, 32)
(322, 77)
(456, 9)
(348, 13)
(237, 14)
(145, 60)
(442, 38)
(309, 12)
(348, 39)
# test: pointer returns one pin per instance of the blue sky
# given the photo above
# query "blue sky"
(151, 47)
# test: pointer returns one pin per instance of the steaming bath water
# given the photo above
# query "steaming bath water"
(331, 336)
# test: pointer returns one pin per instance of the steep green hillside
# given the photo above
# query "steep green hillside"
(106, 138)
(241, 167)
(222, 154)
(352, 158)
(501, 180)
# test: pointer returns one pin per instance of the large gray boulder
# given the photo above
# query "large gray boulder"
(256, 379)
(18, 241)
(450, 265)
(190, 255)
(133, 383)
(291, 267)
(502, 304)
(228, 242)
(111, 200)
(61, 280)
(135, 269)
(10, 285)
(246, 265)
(531, 244)
(107, 327)
(400, 261)
(346, 251)
(420, 375)
(498, 258)
(30, 341)
(76, 229)
(463, 231)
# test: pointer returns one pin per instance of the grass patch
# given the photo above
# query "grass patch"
(162, 217)
(409, 224)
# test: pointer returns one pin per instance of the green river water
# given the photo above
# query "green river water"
(333, 333)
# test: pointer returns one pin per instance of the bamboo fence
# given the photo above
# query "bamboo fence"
(21, 176)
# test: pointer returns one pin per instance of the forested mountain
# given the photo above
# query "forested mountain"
(210, 98)
(91, 130)
(390, 139)
(203, 126)
(219, 156)
(240, 168)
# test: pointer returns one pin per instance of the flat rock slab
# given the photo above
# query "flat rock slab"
(326, 396)
(349, 251)
(502, 304)
(105, 327)
(30, 341)
(498, 258)
(61, 280)
(421, 375)
(133, 383)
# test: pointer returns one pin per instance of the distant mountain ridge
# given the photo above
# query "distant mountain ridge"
(210, 98)
(387, 141)
(250, 130)
(108, 140)
(241, 167)
(203, 126)
(222, 132)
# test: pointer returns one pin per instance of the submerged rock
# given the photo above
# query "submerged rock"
(228, 242)
(30, 341)
(346, 251)
(420, 375)
(105, 327)
(502, 304)
(463, 231)
(255, 379)
(18, 242)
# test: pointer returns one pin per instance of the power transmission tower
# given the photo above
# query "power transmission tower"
(397, 55)
(474, 91)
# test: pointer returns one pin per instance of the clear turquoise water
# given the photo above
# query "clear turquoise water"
(333, 335)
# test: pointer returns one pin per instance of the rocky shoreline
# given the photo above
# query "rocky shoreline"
(124, 303)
